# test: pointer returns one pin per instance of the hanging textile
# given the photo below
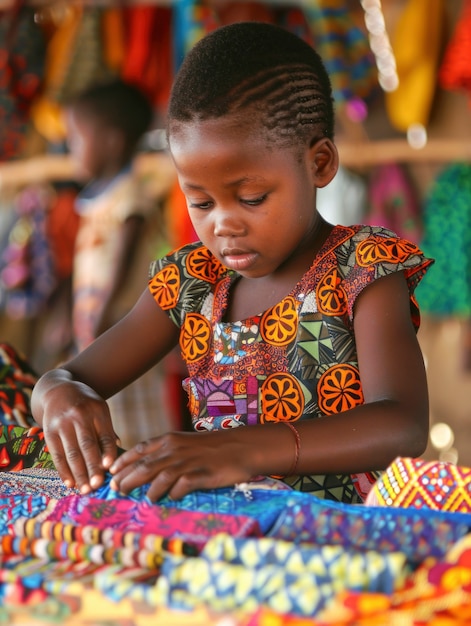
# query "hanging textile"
(393, 202)
(455, 70)
(148, 62)
(75, 60)
(446, 290)
(192, 20)
(22, 55)
(416, 43)
(114, 37)
(27, 273)
(344, 48)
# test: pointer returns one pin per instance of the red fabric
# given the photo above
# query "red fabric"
(62, 228)
(455, 70)
(148, 60)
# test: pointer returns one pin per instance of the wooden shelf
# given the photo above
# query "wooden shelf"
(370, 153)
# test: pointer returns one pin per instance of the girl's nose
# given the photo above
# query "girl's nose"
(228, 224)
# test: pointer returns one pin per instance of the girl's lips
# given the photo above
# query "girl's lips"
(240, 261)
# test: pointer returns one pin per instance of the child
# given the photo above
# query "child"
(299, 337)
(117, 229)
(104, 125)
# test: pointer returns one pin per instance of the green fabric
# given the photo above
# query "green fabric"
(446, 289)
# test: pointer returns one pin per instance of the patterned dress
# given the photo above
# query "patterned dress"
(297, 360)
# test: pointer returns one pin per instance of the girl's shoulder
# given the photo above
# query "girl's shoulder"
(184, 281)
(194, 261)
(370, 244)
(352, 235)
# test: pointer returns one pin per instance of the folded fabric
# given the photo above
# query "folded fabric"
(22, 448)
(232, 574)
(144, 518)
(423, 485)
(418, 533)
(17, 379)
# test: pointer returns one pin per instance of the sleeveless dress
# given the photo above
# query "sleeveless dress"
(295, 361)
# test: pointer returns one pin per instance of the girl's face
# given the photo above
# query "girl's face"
(251, 203)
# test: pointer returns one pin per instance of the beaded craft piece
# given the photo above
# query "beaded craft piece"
(420, 484)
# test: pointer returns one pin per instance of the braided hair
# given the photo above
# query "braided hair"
(254, 68)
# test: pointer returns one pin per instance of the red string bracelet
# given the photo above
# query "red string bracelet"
(297, 449)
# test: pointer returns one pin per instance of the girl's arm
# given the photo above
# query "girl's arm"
(69, 402)
(393, 421)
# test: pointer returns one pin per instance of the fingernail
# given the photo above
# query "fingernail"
(107, 461)
(84, 489)
(95, 481)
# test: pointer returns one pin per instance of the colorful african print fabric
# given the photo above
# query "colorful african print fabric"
(296, 360)
(22, 448)
(17, 379)
(316, 559)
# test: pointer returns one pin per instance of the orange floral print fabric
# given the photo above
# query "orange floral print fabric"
(295, 361)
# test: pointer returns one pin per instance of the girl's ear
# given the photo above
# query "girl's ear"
(324, 160)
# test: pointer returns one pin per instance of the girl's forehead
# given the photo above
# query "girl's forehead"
(225, 126)
(231, 133)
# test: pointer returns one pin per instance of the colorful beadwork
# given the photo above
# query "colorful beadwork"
(425, 484)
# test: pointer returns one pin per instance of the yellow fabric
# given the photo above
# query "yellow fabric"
(416, 43)
(46, 112)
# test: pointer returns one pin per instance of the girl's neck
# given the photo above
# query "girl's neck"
(249, 297)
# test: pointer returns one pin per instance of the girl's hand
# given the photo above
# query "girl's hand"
(179, 463)
(79, 434)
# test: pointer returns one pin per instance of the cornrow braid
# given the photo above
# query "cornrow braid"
(257, 65)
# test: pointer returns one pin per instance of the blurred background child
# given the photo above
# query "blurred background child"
(118, 228)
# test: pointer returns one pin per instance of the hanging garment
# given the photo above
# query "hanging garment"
(148, 62)
(27, 273)
(75, 60)
(86, 66)
(455, 69)
(416, 43)
(344, 48)
(140, 21)
(447, 237)
(22, 56)
(393, 202)
(294, 19)
(114, 37)
(192, 20)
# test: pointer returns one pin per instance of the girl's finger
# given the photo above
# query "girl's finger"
(84, 459)
(60, 458)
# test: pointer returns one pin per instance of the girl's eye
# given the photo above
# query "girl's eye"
(204, 206)
(255, 201)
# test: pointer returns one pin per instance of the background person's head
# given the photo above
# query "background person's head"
(104, 125)
(260, 73)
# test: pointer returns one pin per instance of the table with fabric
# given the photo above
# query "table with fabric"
(256, 554)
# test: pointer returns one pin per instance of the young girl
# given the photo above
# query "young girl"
(299, 336)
